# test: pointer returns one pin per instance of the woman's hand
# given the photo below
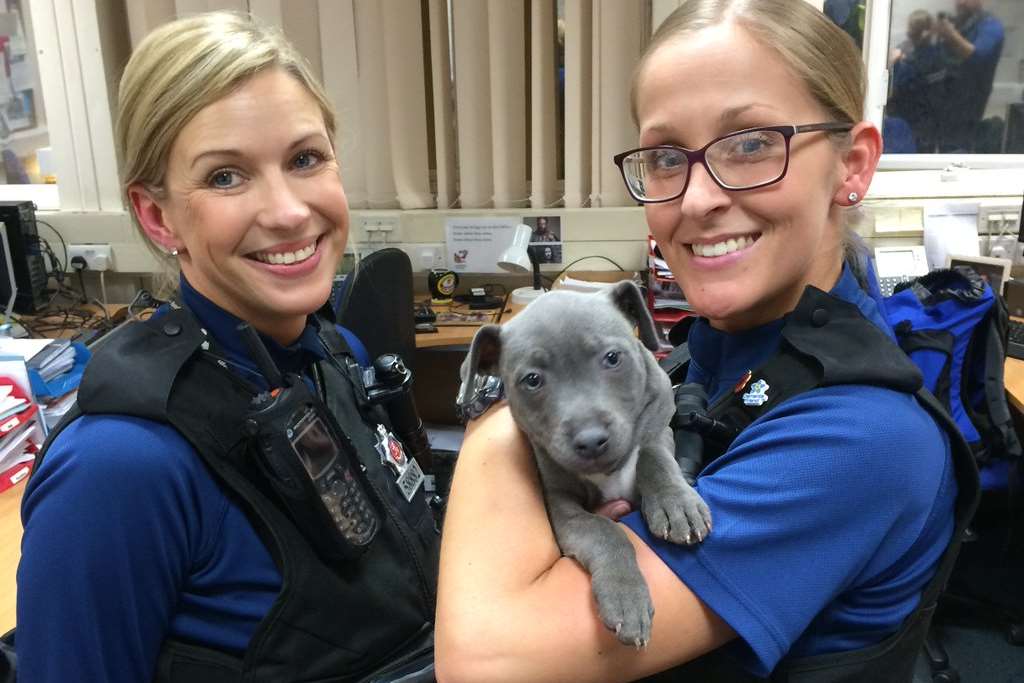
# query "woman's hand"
(511, 608)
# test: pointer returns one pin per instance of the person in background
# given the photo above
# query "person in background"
(973, 42)
(833, 507)
(919, 71)
(168, 534)
(849, 15)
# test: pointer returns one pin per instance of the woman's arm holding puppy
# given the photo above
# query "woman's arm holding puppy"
(511, 608)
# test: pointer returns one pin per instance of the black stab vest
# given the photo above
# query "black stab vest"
(827, 342)
(329, 623)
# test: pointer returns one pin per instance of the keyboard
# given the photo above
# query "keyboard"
(888, 283)
(1015, 346)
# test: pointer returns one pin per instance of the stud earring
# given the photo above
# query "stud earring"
(174, 252)
(853, 197)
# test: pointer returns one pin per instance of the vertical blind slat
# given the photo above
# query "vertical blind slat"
(405, 69)
(578, 16)
(341, 79)
(373, 102)
(543, 173)
(301, 23)
(472, 102)
(508, 100)
(186, 7)
(270, 11)
(444, 127)
(618, 40)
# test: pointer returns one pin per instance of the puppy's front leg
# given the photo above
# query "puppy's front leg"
(597, 543)
(672, 508)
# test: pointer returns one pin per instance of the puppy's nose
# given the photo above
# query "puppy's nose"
(590, 442)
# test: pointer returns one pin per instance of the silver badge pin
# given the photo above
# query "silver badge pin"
(757, 394)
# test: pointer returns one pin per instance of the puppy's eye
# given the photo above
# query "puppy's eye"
(611, 359)
(532, 381)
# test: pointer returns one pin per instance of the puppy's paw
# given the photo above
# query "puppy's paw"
(625, 607)
(678, 515)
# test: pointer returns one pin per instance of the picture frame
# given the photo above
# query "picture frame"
(995, 270)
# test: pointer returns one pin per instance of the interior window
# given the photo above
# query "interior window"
(956, 77)
(24, 141)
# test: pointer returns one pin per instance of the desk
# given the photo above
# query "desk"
(1013, 380)
(436, 364)
(458, 335)
(10, 552)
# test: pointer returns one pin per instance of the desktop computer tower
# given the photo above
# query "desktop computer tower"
(30, 277)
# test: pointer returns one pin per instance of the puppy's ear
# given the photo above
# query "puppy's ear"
(484, 353)
(627, 297)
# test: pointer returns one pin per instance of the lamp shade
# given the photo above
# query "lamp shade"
(516, 258)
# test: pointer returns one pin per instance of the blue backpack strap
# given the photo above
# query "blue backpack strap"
(939, 341)
(994, 421)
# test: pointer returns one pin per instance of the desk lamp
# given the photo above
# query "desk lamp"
(521, 258)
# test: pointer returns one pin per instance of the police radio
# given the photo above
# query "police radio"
(308, 463)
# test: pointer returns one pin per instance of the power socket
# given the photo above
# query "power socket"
(97, 256)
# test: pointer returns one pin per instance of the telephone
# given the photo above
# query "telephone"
(894, 265)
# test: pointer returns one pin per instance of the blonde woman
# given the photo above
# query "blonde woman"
(168, 534)
(834, 506)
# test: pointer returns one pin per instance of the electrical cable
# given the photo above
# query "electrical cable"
(583, 258)
(81, 283)
(103, 290)
(61, 237)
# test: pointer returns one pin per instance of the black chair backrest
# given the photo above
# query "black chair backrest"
(377, 304)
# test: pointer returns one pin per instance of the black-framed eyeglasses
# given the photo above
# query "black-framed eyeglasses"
(744, 160)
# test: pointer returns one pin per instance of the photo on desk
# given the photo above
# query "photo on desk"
(995, 271)
(546, 239)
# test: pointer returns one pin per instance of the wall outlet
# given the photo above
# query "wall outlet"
(97, 256)
(431, 256)
(383, 228)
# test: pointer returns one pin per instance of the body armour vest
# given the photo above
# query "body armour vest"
(338, 622)
(826, 342)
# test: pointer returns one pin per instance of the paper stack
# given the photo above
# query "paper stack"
(54, 368)
(54, 359)
(20, 433)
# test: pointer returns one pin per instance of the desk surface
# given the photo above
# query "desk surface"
(1013, 380)
(457, 335)
(10, 552)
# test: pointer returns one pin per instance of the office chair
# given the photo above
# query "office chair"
(377, 304)
(987, 570)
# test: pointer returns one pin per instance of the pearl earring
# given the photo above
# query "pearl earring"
(853, 197)
(174, 252)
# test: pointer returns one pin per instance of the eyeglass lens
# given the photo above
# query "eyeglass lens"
(738, 162)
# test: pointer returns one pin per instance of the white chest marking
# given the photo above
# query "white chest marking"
(619, 484)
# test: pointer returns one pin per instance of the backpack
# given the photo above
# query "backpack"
(955, 330)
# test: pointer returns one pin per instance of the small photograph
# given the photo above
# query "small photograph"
(545, 228)
(994, 271)
(547, 253)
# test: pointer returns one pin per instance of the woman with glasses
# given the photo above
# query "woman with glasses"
(832, 509)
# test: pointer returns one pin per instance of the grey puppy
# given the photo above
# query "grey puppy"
(596, 409)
